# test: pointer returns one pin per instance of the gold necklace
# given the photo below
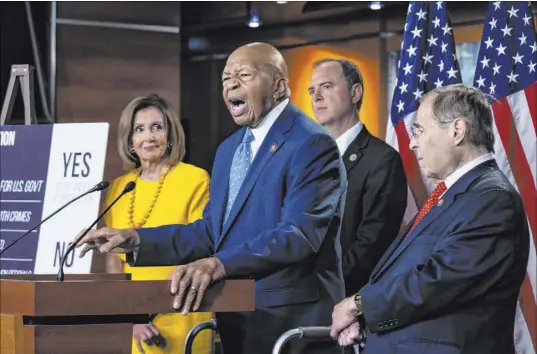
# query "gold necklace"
(151, 206)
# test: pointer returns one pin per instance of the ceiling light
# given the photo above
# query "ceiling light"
(198, 43)
(254, 20)
(375, 5)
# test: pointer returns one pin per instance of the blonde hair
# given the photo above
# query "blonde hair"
(172, 123)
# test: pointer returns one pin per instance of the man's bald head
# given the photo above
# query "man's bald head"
(265, 55)
(255, 80)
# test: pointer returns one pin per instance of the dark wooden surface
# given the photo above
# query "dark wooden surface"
(17, 338)
(100, 70)
(23, 303)
(87, 339)
(49, 277)
(86, 297)
(140, 12)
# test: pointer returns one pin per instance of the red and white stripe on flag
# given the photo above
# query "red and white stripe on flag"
(507, 71)
(515, 150)
(427, 61)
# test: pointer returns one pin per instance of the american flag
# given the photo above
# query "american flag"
(427, 61)
(507, 71)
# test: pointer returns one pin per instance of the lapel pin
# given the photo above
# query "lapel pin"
(353, 157)
(273, 147)
(440, 202)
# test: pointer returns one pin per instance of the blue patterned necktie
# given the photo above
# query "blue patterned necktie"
(239, 168)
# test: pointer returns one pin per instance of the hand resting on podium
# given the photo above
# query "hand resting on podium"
(188, 282)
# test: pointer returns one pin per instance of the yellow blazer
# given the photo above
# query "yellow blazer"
(184, 193)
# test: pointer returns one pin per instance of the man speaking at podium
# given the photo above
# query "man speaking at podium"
(274, 214)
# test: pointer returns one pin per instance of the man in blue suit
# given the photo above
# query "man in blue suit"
(450, 282)
(277, 193)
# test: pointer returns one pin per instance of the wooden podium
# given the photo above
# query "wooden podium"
(93, 313)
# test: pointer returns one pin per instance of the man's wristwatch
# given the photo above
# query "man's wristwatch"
(358, 303)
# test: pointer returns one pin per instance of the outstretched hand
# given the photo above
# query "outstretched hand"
(189, 282)
(108, 240)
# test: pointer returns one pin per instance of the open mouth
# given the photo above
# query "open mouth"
(237, 106)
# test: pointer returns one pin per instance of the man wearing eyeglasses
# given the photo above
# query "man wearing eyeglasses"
(449, 283)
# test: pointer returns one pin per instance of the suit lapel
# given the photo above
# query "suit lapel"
(274, 140)
(354, 152)
(392, 248)
(434, 213)
(461, 186)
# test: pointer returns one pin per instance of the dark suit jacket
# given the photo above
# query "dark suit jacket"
(451, 285)
(283, 230)
(375, 206)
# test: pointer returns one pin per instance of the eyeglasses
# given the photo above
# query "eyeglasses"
(417, 131)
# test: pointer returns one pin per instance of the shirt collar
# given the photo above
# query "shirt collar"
(461, 171)
(261, 131)
(345, 139)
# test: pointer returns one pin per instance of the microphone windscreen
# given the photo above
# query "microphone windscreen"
(102, 185)
(129, 187)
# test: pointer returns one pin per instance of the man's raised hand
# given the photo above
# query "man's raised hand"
(109, 240)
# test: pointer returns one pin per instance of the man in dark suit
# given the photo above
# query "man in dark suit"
(377, 189)
(277, 193)
(450, 281)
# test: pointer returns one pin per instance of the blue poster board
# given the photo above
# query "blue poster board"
(41, 168)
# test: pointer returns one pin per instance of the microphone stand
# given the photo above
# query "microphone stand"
(99, 187)
(61, 276)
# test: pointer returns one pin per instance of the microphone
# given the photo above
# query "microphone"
(128, 187)
(98, 187)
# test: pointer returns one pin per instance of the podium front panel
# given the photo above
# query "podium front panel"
(119, 297)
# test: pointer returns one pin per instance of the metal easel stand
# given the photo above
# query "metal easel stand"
(23, 75)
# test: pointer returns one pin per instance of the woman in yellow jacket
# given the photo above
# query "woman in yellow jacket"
(151, 143)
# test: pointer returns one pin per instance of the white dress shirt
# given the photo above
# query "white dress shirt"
(261, 131)
(461, 171)
(348, 137)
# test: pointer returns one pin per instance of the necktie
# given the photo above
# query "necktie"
(429, 204)
(239, 168)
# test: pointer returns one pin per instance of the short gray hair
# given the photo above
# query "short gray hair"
(351, 74)
(469, 103)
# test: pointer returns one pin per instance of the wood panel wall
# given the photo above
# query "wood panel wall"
(99, 70)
